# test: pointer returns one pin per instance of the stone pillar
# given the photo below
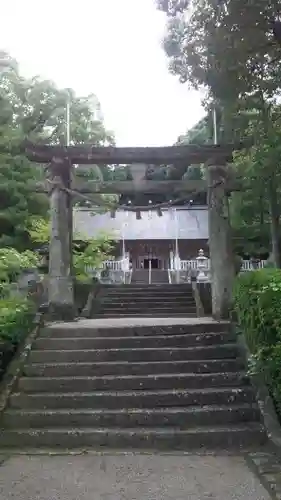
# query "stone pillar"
(220, 245)
(60, 289)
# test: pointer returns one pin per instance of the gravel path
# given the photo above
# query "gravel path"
(129, 477)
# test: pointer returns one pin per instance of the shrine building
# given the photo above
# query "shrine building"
(151, 240)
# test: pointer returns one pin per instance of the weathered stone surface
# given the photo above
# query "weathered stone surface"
(161, 381)
(151, 300)
(268, 466)
(235, 437)
(222, 261)
(109, 387)
(135, 354)
(121, 327)
(134, 399)
(181, 417)
(152, 341)
(131, 476)
(61, 311)
(60, 286)
(137, 368)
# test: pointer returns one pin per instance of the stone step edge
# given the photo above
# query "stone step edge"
(141, 363)
(136, 330)
(145, 305)
(168, 297)
(229, 346)
(173, 294)
(138, 393)
(142, 314)
(176, 336)
(253, 426)
(82, 378)
(120, 411)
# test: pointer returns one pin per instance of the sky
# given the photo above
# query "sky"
(111, 48)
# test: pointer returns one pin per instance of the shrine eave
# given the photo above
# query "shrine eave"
(87, 154)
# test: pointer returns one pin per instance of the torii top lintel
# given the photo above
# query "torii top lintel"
(87, 154)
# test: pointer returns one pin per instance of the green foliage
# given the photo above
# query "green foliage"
(16, 316)
(228, 48)
(36, 109)
(12, 263)
(16, 313)
(95, 253)
(38, 229)
(257, 299)
(267, 361)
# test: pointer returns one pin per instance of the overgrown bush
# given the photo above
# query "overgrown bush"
(12, 263)
(257, 302)
(16, 316)
(95, 252)
(16, 313)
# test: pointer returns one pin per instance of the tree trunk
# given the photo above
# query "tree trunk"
(61, 297)
(220, 245)
(274, 221)
(272, 190)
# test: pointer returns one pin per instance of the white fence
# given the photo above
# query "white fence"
(247, 265)
(119, 271)
(200, 268)
(111, 265)
(113, 271)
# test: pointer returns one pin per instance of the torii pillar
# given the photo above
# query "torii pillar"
(60, 288)
(220, 245)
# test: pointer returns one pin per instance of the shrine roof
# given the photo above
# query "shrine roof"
(192, 224)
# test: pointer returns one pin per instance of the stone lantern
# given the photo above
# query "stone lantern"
(202, 267)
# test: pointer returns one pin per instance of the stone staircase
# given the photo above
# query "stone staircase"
(151, 387)
(156, 301)
(141, 276)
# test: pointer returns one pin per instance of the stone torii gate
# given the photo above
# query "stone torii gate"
(60, 160)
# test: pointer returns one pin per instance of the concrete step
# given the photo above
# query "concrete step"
(137, 310)
(157, 295)
(145, 301)
(142, 314)
(139, 368)
(157, 341)
(132, 382)
(144, 417)
(162, 281)
(161, 293)
(152, 286)
(130, 355)
(133, 399)
(146, 438)
(77, 330)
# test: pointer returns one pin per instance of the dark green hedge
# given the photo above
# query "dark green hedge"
(16, 321)
(257, 302)
(16, 317)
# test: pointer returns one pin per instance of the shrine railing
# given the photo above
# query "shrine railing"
(112, 271)
(247, 265)
(199, 269)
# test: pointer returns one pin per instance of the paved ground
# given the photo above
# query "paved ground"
(129, 477)
(119, 322)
